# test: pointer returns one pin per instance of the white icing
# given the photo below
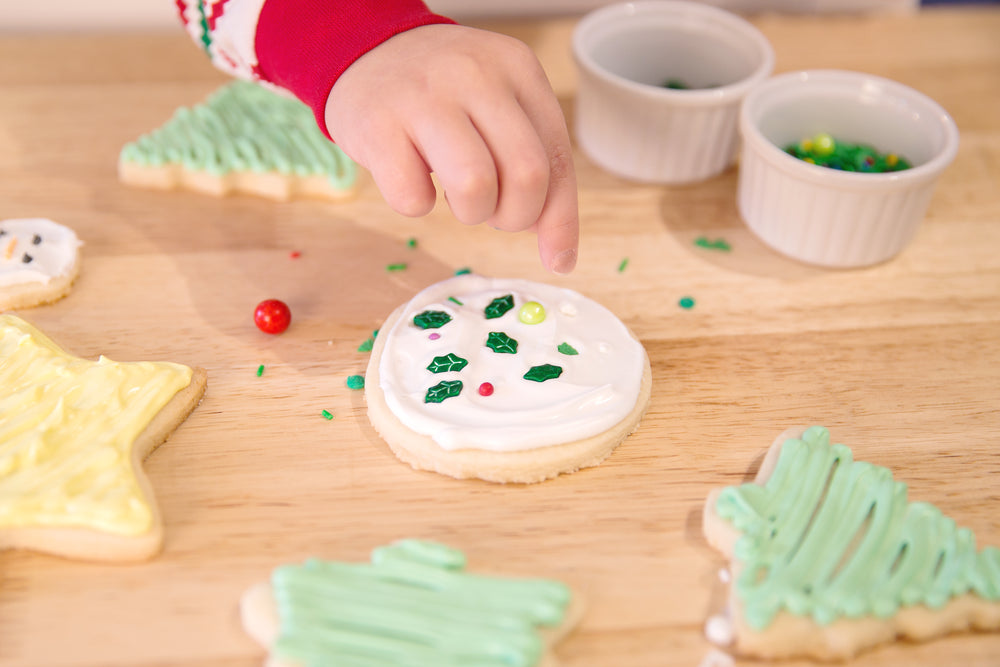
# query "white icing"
(51, 247)
(597, 389)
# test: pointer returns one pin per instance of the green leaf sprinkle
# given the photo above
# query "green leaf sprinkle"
(400, 266)
(443, 390)
(260, 370)
(501, 343)
(499, 306)
(566, 348)
(717, 244)
(543, 373)
(463, 271)
(327, 414)
(453, 299)
(355, 382)
(367, 345)
(447, 363)
(686, 302)
(431, 319)
(411, 243)
(624, 263)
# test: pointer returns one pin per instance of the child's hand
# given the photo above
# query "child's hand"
(475, 108)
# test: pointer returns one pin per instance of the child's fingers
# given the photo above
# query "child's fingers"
(400, 174)
(558, 225)
(454, 150)
(521, 163)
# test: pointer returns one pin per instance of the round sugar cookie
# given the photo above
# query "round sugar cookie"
(39, 260)
(505, 380)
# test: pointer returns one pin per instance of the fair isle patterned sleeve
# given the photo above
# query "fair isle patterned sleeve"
(302, 46)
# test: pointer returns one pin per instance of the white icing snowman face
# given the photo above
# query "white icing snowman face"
(35, 250)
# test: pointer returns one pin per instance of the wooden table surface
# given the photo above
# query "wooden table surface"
(901, 361)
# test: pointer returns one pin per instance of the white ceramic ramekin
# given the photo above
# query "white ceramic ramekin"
(629, 123)
(835, 218)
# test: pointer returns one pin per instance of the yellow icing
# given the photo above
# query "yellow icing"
(67, 427)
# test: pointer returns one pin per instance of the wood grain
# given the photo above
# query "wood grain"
(901, 361)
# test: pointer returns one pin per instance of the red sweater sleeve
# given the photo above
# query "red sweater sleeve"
(305, 45)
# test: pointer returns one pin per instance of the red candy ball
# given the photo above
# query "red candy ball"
(272, 316)
(486, 389)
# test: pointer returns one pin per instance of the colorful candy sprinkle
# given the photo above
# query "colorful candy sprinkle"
(486, 389)
(567, 349)
(327, 414)
(272, 316)
(717, 244)
(622, 265)
(824, 151)
(355, 382)
(686, 303)
(434, 336)
(400, 266)
(260, 370)
(532, 313)
(463, 271)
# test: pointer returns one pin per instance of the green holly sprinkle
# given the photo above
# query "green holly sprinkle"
(566, 348)
(454, 300)
(463, 271)
(431, 319)
(499, 306)
(260, 370)
(501, 343)
(717, 244)
(367, 345)
(355, 382)
(401, 266)
(443, 390)
(447, 363)
(543, 373)
(327, 414)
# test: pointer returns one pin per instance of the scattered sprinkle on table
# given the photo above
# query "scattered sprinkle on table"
(824, 151)
(686, 302)
(462, 271)
(295, 254)
(717, 244)
(401, 266)
(260, 370)
(367, 345)
(622, 265)
(355, 382)
(411, 243)
(327, 414)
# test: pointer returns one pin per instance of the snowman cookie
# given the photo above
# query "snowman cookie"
(39, 260)
(505, 380)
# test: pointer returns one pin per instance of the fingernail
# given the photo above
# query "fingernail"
(564, 262)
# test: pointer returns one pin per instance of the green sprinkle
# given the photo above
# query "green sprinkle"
(411, 243)
(717, 244)
(355, 382)
(327, 414)
(566, 348)
(499, 306)
(443, 390)
(401, 266)
(501, 343)
(431, 319)
(624, 263)
(686, 302)
(676, 84)
(463, 271)
(447, 363)
(260, 370)
(367, 345)
(451, 298)
(543, 373)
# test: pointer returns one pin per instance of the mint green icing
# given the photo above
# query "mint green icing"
(245, 127)
(413, 605)
(830, 537)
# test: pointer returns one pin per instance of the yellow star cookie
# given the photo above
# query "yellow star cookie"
(73, 434)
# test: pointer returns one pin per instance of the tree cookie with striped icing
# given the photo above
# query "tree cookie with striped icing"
(73, 435)
(829, 557)
(505, 380)
(39, 260)
(243, 138)
(414, 604)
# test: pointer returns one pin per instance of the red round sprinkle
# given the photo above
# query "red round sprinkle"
(272, 316)
(485, 389)
(295, 254)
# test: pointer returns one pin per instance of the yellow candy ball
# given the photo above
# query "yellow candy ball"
(532, 313)
(823, 144)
